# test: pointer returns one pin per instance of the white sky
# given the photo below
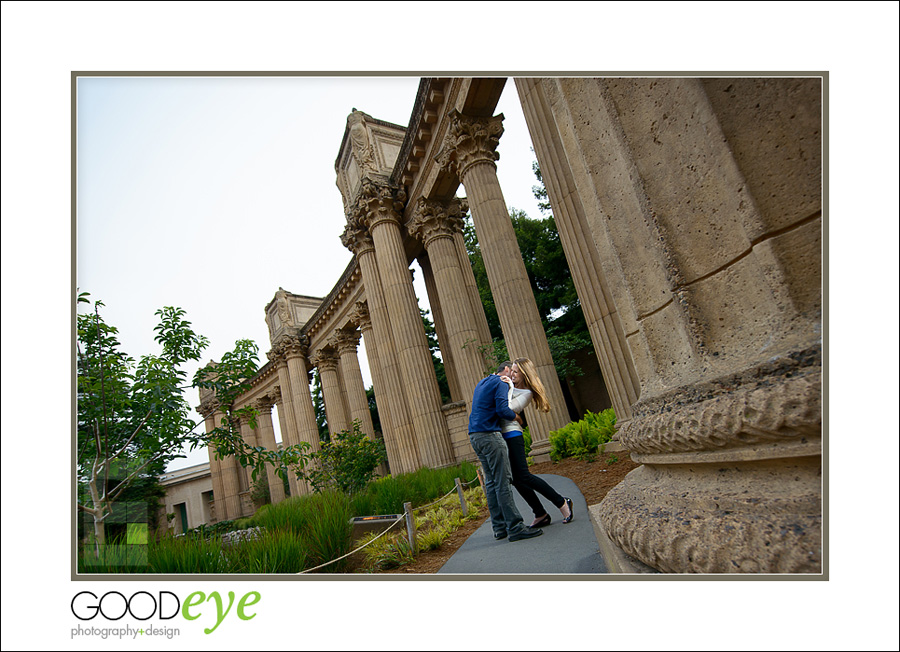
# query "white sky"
(857, 43)
(209, 193)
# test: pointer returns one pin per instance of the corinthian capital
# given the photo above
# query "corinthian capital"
(325, 359)
(356, 236)
(434, 219)
(469, 141)
(346, 340)
(288, 346)
(377, 202)
(360, 315)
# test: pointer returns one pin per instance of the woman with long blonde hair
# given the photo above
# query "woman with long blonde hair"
(526, 387)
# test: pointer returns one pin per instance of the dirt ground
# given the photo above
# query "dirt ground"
(594, 480)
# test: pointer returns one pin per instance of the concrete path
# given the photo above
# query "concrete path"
(561, 549)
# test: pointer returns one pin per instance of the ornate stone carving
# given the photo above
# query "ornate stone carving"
(469, 141)
(360, 316)
(377, 202)
(437, 219)
(356, 236)
(284, 308)
(363, 150)
(264, 403)
(346, 340)
(208, 406)
(718, 519)
(325, 359)
(776, 402)
(287, 346)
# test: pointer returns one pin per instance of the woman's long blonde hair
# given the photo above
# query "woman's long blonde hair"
(533, 382)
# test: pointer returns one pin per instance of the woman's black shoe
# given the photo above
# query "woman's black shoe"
(568, 519)
(542, 521)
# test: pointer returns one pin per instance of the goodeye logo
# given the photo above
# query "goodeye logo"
(165, 605)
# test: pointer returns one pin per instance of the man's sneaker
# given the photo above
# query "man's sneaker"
(526, 533)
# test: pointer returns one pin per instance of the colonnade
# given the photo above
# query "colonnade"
(689, 212)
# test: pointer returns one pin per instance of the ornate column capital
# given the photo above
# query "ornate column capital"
(469, 141)
(377, 202)
(264, 404)
(356, 236)
(361, 317)
(325, 359)
(346, 340)
(208, 407)
(437, 219)
(289, 346)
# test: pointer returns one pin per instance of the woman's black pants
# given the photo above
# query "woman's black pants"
(526, 484)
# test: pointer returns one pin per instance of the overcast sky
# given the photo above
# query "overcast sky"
(210, 193)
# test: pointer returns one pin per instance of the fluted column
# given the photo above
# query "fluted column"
(361, 318)
(434, 223)
(481, 323)
(603, 319)
(440, 328)
(289, 429)
(327, 362)
(406, 459)
(266, 438)
(211, 418)
(380, 205)
(347, 342)
(470, 150)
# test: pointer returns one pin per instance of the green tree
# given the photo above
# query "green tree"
(318, 399)
(132, 416)
(434, 347)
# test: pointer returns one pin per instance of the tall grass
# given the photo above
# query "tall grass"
(387, 495)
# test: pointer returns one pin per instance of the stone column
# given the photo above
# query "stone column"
(704, 199)
(470, 150)
(290, 434)
(604, 321)
(400, 438)
(380, 206)
(327, 362)
(212, 417)
(361, 318)
(440, 328)
(481, 323)
(266, 439)
(434, 223)
(347, 342)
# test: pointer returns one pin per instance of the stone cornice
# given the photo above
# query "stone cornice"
(470, 141)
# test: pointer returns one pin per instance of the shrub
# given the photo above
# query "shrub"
(580, 439)
(347, 462)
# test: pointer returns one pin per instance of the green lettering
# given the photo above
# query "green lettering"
(220, 615)
(246, 603)
(190, 602)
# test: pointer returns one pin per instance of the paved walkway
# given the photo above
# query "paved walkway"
(562, 549)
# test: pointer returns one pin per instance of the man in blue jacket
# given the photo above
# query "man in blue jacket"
(489, 405)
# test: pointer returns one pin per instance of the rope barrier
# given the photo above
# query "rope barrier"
(309, 570)
(400, 518)
(417, 509)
